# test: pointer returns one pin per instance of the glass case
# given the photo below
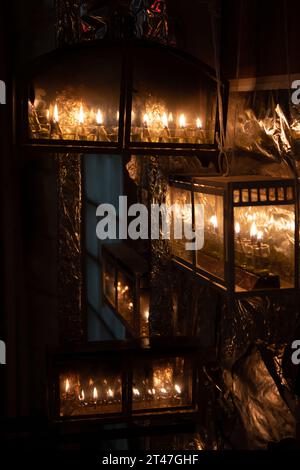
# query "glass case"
(173, 100)
(162, 383)
(125, 287)
(181, 219)
(120, 96)
(90, 388)
(74, 95)
(250, 236)
(121, 380)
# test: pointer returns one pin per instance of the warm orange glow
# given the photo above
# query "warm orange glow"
(136, 392)
(170, 119)
(81, 115)
(81, 396)
(214, 221)
(237, 228)
(99, 117)
(146, 315)
(110, 393)
(177, 389)
(199, 123)
(259, 236)
(165, 121)
(55, 113)
(95, 394)
(48, 114)
(182, 120)
(146, 119)
(253, 230)
(67, 386)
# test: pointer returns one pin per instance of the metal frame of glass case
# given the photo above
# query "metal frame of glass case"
(135, 57)
(126, 265)
(236, 229)
(78, 390)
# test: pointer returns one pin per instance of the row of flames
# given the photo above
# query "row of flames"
(149, 119)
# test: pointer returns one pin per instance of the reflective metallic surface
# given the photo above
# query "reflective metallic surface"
(70, 275)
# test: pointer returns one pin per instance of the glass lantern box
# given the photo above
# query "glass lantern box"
(125, 287)
(116, 381)
(173, 101)
(74, 97)
(250, 237)
(117, 96)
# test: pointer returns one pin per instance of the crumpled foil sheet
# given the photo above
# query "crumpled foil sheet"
(70, 274)
(261, 127)
(264, 413)
(68, 24)
(161, 308)
(84, 20)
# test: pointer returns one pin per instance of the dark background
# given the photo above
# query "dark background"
(258, 38)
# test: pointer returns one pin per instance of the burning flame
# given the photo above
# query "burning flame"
(81, 396)
(55, 113)
(259, 236)
(253, 230)
(146, 119)
(95, 393)
(163, 390)
(110, 393)
(136, 392)
(67, 385)
(237, 228)
(48, 114)
(177, 388)
(182, 121)
(146, 315)
(165, 121)
(170, 119)
(199, 123)
(214, 221)
(99, 117)
(81, 115)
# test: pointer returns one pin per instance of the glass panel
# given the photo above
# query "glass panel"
(77, 97)
(125, 290)
(280, 194)
(263, 194)
(236, 195)
(264, 247)
(162, 383)
(211, 257)
(181, 200)
(174, 102)
(289, 193)
(272, 194)
(144, 312)
(245, 195)
(254, 195)
(91, 389)
(109, 279)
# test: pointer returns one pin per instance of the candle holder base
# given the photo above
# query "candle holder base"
(255, 281)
